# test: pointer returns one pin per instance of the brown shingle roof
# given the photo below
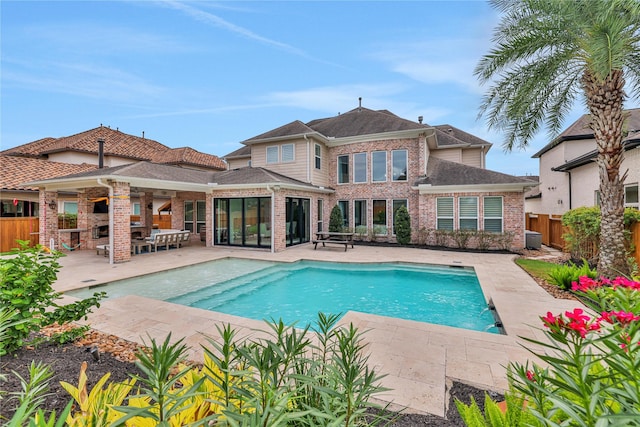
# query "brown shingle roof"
(449, 135)
(240, 153)
(444, 172)
(362, 121)
(116, 143)
(580, 130)
(294, 128)
(16, 170)
(251, 175)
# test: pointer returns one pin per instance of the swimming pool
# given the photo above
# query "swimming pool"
(296, 292)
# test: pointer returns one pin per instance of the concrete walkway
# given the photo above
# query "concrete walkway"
(418, 358)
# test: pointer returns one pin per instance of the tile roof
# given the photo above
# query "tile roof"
(443, 172)
(580, 130)
(16, 170)
(116, 143)
(189, 156)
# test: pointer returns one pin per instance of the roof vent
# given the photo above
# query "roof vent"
(360, 103)
(420, 119)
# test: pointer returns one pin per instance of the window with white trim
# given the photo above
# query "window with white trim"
(444, 213)
(343, 169)
(359, 213)
(318, 156)
(288, 153)
(631, 196)
(320, 214)
(379, 166)
(135, 208)
(272, 154)
(399, 165)
(468, 213)
(70, 208)
(380, 216)
(360, 167)
(493, 216)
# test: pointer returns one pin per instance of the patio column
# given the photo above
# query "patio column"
(121, 205)
(146, 213)
(48, 227)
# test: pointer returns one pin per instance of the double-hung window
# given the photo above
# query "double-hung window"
(360, 167)
(631, 196)
(493, 214)
(318, 156)
(399, 165)
(444, 213)
(272, 154)
(379, 166)
(343, 169)
(468, 213)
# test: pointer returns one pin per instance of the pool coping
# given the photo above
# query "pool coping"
(418, 359)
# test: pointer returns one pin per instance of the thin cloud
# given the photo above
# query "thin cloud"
(211, 19)
(80, 79)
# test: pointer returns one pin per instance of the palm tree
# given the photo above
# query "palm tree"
(549, 52)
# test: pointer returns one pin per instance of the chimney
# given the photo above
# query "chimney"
(420, 119)
(100, 153)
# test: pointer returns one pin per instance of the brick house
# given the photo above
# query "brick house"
(281, 185)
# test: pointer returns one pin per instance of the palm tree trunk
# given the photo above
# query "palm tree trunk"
(605, 99)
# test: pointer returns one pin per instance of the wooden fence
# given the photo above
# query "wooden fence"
(12, 229)
(26, 228)
(551, 230)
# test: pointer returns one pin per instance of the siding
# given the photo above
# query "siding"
(472, 157)
(451, 154)
(296, 169)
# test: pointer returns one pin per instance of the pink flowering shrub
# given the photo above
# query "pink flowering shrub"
(590, 375)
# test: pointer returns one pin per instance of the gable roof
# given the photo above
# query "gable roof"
(580, 129)
(362, 122)
(16, 170)
(240, 153)
(445, 173)
(116, 143)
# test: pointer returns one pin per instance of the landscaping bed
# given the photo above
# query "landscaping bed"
(117, 357)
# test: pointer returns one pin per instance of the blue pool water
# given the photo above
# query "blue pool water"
(296, 292)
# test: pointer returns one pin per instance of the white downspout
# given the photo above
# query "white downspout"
(111, 227)
(273, 217)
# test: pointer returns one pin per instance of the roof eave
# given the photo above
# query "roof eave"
(85, 182)
(410, 133)
(316, 135)
(474, 188)
(268, 186)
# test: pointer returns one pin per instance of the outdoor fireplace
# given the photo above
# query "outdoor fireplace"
(100, 231)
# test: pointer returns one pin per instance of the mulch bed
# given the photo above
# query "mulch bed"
(117, 357)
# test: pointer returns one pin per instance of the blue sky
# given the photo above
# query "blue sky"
(210, 74)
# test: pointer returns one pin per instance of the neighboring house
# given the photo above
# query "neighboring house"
(280, 187)
(569, 176)
(54, 157)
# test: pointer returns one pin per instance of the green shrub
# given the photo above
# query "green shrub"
(564, 275)
(402, 223)
(335, 220)
(26, 289)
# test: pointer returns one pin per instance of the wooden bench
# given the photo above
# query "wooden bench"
(345, 239)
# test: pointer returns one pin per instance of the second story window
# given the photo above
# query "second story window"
(399, 164)
(288, 153)
(343, 169)
(379, 166)
(272, 154)
(360, 167)
(318, 156)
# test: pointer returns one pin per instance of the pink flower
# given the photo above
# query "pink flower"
(579, 322)
(531, 376)
(551, 320)
(585, 283)
(624, 282)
